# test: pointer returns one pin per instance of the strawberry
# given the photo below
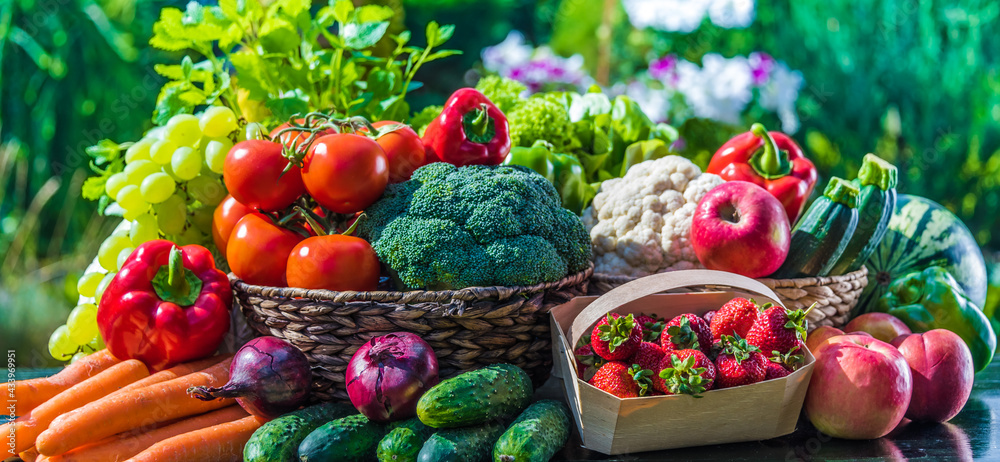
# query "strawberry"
(648, 356)
(778, 329)
(789, 360)
(616, 337)
(774, 370)
(686, 331)
(687, 372)
(736, 317)
(651, 327)
(622, 380)
(739, 363)
(708, 316)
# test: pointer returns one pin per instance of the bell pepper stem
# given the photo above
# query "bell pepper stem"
(478, 125)
(175, 283)
(769, 162)
(175, 271)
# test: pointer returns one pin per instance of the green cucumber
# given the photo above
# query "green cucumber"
(876, 202)
(278, 440)
(498, 391)
(404, 441)
(822, 234)
(468, 444)
(537, 434)
(351, 438)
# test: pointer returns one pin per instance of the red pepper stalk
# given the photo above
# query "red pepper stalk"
(770, 160)
(166, 306)
(470, 130)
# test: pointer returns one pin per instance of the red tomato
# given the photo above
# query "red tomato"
(226, 215)
(334, 262)
(403, 148)
(258, 250)
(345, 172)
(252, 173)
(296, 136)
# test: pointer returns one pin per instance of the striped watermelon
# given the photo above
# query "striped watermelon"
(922, 233)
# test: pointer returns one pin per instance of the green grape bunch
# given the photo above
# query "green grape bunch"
(165, 186)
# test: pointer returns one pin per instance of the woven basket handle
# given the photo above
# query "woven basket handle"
(661, 282)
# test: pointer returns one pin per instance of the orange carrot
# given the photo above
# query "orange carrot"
(174, 372)
(220, 443)
(31, 455)
(132, 409)
(32, 393)
(28, 427)
(120, 447)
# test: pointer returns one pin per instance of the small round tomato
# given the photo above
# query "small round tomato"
(404, 150)
(258, 250)
(345, 172)
(253, 175)
(333, 262)
(295, 136)
(226, 215)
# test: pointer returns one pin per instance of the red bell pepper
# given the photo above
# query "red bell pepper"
(770, 160)
(470, 130)
(166, 306)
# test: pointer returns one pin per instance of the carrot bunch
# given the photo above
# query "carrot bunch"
(103, 409)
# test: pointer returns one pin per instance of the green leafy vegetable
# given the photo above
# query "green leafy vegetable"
(279, 61)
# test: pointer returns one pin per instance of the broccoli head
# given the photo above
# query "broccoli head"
(451, 228)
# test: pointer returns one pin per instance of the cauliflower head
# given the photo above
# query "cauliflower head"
(640, 224)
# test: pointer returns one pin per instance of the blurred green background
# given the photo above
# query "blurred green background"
(917, 82)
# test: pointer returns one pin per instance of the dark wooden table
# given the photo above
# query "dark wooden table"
(969, 436)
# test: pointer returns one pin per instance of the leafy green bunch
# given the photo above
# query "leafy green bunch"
(288, 60)
(608, 135)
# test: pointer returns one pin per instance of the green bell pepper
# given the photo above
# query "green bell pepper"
(932, 299)
(564, 171)
(537, 158)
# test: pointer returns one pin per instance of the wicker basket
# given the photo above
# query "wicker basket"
(467, 328)
(835, 295)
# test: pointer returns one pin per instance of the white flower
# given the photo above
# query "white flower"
(686, 15)
(667, 15)
(720, 90)
(779, 94)
(509, 53)
(731, 13)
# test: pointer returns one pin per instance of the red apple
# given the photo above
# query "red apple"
(860, 387)
(942, 369)
(882, 326)
(820, 334)
(741, 228)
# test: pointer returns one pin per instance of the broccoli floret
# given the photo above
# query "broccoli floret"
(451, 228)
(505, 93)
(540, 119)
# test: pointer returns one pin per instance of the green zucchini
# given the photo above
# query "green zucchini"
(466, 444)
(278, 440)
(352, 438)
(537, 434)
(822, 234)
(404, 441)
(876, 202)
